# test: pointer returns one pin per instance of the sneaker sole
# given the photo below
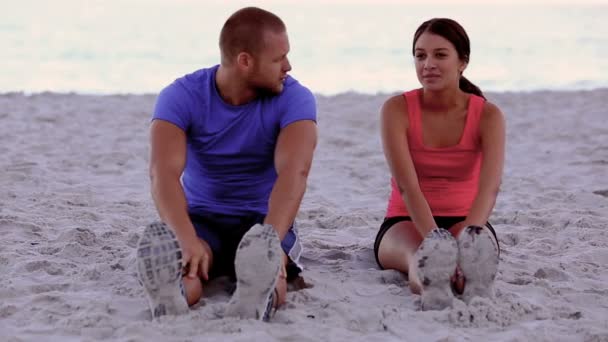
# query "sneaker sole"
(257, 265)
(159, 269)
(478, 261)
(436, 257)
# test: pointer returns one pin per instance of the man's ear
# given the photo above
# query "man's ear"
(244, 60)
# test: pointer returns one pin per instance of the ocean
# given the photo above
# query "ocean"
(136, 46)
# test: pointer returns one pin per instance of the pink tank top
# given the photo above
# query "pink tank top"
(449, 176)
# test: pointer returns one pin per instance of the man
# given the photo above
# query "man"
(231, 148)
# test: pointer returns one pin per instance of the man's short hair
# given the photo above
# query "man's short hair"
(244, 31)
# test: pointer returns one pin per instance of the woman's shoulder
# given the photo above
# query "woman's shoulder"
(490, 110)
(491, 115)
(395, 108)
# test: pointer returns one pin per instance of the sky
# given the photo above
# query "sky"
(413, 2)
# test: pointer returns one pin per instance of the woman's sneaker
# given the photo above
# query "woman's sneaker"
(478, 261)
(436, 258)
(159, 269)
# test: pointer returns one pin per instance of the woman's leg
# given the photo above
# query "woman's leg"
(429, 261)
(397, 248)
(477, 261)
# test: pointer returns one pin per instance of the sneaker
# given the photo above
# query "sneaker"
(257, 265)
(159, 269)
(436, 257)
(478, 261)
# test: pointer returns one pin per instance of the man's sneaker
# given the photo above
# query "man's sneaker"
(159, 269)
(257, 265)
(436, 259)
(478, 261)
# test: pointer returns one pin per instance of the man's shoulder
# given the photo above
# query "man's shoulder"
(294, 88)
(195, 80)
(189, 88)
(296, 102)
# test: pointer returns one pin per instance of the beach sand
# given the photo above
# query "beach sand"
(74, 199)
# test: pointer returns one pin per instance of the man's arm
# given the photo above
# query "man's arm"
(292, 160)
(167, 162)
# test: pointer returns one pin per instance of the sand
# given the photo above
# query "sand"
(74, 198)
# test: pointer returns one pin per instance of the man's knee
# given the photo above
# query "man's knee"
(281, 291)
(193, 289)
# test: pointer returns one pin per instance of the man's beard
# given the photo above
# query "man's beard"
(264, 90)
(267, 92)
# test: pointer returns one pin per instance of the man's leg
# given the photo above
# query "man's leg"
(159, 268)
(258, 263)
(281, 287)
(193, 287)
(158, 257)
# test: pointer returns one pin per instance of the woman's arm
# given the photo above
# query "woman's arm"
(492, 131)
(394, 125)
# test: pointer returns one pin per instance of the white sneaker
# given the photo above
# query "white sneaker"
(257, 265)
(478, 261)
(436, 258)
(159, 269)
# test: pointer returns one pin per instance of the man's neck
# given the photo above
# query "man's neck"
(231, 87)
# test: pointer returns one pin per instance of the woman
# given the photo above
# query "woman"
(444, 144)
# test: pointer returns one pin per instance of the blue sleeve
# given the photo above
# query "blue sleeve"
(300, 104)
(172, 105)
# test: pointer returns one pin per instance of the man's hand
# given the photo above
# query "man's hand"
(197, 258)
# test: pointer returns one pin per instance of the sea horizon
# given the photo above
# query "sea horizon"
(136, 47)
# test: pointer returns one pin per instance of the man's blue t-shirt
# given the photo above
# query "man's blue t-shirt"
(230, 149)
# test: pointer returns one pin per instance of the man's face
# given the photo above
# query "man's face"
(271, 64)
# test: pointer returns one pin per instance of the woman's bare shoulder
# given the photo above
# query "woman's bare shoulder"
(395, 108)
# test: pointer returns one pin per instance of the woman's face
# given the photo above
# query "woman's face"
(437, 63)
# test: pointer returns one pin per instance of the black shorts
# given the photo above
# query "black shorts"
(223, 234)
(445, 222)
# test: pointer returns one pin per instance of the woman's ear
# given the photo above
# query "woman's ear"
(463, 66)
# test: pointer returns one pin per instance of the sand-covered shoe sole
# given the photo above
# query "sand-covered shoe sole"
(159, 268)
(257, 265)
(436, 257)
(478, 261)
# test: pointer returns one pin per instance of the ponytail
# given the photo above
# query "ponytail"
(468, 87)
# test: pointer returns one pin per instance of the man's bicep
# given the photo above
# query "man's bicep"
(167, 147)
(295, 146)
(300, 104)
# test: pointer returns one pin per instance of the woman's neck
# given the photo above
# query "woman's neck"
(443, 100)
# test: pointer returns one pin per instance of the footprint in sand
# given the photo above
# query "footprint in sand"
(337, 255)
(509, 239)
(83, 236)
(43, 265)
(7, 311)
(551, 274)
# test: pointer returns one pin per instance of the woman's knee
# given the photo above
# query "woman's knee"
(397, 246)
